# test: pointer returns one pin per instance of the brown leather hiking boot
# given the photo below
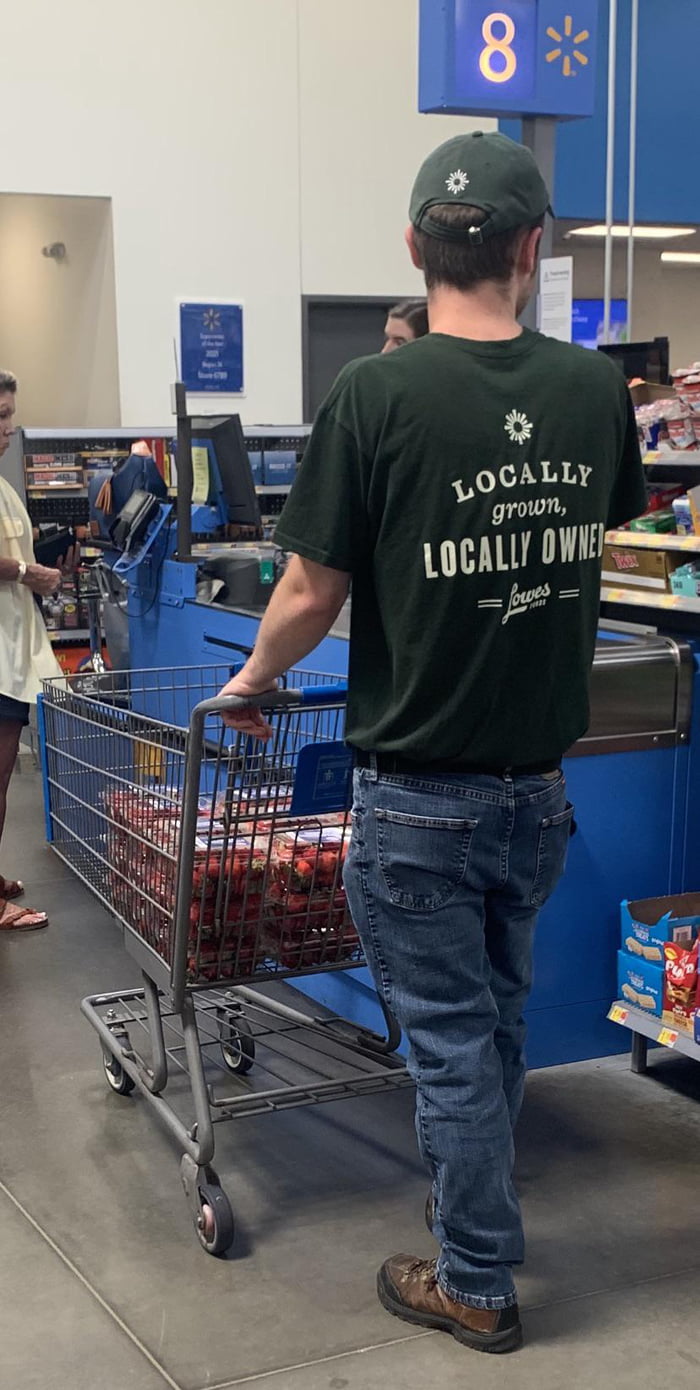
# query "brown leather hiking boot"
(409, 1289)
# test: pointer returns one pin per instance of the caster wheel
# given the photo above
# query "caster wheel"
(118, 1080)
(237, 1042)
(215, 1224)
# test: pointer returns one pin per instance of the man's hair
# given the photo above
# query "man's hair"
(8, 382)
(463, 264)
(414, 312)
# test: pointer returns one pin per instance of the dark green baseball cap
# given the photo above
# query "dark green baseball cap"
(484, 170)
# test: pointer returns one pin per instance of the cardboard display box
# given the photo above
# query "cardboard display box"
(646, 925)
(640, 568)
(640, 983)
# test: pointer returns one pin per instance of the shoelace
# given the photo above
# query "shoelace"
(426, 1271)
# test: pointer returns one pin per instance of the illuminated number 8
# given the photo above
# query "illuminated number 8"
(500, 45)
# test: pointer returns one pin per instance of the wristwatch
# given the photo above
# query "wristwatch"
(21, 571)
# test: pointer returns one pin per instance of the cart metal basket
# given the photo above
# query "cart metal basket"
(221, 857)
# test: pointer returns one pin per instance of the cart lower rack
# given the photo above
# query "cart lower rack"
(221, 857)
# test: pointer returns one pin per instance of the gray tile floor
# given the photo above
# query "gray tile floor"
(102, 1281)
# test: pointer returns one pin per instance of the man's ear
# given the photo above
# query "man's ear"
(413, 251)
(530, 250)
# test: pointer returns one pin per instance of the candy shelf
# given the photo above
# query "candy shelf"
(653, 599)
(66, 634)
(645, 1029)
(647, 540)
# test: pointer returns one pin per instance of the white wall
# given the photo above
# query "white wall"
(253, 149)
(361, 141)
(666, 298)
(58, 320)
(186, 116)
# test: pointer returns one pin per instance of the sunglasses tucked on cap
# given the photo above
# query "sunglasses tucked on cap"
(485, 171)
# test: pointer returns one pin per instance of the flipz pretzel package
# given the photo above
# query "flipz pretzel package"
(680, 985)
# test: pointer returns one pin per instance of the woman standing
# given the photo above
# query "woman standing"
(26, 656)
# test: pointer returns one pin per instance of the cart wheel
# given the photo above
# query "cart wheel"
(118, 1079)
(215, 1225)
(237, 1042)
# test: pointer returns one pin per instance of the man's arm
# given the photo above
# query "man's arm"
(303, 607)
(629, 495)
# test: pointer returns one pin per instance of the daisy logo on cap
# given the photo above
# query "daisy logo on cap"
(457, 182)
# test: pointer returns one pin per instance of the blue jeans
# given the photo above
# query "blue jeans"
(445, 879)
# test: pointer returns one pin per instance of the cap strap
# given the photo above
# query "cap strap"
(473, 235)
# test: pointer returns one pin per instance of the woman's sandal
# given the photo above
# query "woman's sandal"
(11, 888)
(20, 918)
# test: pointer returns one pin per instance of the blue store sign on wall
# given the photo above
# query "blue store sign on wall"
(211, 341)
(507, 57)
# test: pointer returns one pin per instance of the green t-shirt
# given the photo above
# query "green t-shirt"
(466, 487)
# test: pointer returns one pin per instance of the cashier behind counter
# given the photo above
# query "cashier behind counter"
(110, 490)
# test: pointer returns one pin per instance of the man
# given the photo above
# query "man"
(26, 657)
(405, 322)
(464, 485)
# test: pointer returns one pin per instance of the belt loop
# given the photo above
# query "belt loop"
(373, 770)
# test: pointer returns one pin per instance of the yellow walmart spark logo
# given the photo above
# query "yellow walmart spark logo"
(569, 47)
(212, 320)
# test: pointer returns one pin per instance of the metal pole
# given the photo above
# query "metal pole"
(185, 482)
(539, 136)
(631, 206)
(610, 168)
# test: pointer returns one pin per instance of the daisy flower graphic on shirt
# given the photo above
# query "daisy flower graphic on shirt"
(517, 427)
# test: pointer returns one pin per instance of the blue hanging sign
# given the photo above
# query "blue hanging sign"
(508, 57)
(211, 347)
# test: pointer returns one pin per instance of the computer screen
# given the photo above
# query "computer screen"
(224, 435)
(649, 361)
(588, 322)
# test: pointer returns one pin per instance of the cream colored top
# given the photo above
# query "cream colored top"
(26, 654)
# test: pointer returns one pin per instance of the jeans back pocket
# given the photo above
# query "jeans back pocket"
(552, 851)
(423, 859)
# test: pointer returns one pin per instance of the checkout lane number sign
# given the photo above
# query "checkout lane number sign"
(211, 347)
(508, 57)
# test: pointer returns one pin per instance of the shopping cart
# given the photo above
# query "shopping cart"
(222, 859)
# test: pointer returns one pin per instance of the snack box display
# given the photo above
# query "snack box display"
(649, 923)
(685, 581)
(657, 522)
(660, 499)
(280, 467)
(256, 466)
(683, 515)
(680, 985)
(640, 983)
(642, 569)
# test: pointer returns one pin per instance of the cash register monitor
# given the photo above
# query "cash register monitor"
(649, 361)
(224, 436)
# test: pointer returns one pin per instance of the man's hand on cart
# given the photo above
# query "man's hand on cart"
(248, 719)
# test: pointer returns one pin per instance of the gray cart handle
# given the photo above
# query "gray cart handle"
(275, 699)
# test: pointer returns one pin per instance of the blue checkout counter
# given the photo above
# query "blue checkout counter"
(634, 781)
